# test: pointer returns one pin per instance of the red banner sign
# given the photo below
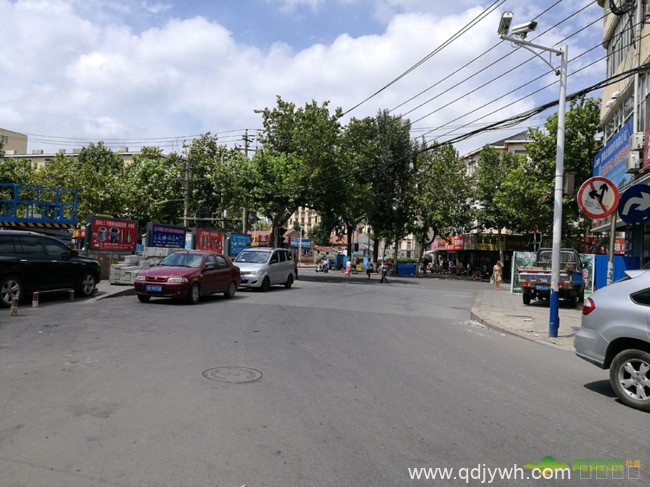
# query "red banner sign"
(209, 240)
(114, 235)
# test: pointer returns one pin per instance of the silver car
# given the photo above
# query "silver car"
(262, 267)
(615, 335)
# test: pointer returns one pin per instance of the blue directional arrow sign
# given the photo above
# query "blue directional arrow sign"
(634, 205)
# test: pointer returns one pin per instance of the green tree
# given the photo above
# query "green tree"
(19, 171)
(349, 195)
(441, 196)
(155, 187)
(391, 176)
(580, 148)
(493, 210)
(97, 174)
(297, 158)
(320, 235)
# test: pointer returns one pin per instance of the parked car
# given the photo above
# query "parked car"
(31, 261)
(188, 274)
(262, 267)
(615, 335)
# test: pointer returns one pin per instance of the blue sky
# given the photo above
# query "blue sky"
(156, 72)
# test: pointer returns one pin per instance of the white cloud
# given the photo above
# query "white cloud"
(73, 77)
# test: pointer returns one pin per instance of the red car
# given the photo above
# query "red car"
(189, 274)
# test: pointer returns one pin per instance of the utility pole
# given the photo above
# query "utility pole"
(186, 198)
(519, 32)
(247, 141)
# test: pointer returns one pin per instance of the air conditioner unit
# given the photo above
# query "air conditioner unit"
(634, 161)
(636, 141)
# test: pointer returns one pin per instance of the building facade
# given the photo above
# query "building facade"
(625, 120)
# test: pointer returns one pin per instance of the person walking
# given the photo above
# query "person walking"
(369, 269)
(497, 274)
(348, 268)
(383, 272)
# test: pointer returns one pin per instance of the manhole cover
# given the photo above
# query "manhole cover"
(234, 375)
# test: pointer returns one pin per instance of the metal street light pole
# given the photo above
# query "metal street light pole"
(563, 52)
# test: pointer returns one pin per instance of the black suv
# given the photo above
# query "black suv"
(31, 262)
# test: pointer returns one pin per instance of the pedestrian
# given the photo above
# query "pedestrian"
(497, 274)
(348, 268)
(383, 272)
(295, 267)
(369, 269)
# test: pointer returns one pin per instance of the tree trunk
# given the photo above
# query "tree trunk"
(395, 253)
(350, 231)
(375, 252)
(420, 259)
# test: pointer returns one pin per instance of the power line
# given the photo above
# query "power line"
(498, 77)
(476, 73)
(448, 42)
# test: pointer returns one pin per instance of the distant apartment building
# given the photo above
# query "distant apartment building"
(304, 218)
(15, 147)
(515, 144)
(12, 142)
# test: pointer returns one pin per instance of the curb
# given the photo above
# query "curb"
(128, 291)
(545, 341)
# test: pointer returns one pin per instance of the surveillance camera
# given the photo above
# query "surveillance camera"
(504, 25)
(523, 29)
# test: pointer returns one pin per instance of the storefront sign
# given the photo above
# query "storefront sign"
(165, 236)
(611, 161)
(305, 243)
(455, 242)
(112, 234)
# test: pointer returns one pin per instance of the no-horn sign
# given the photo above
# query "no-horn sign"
(598, 197)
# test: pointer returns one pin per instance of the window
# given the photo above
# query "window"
(7, 245)
(29, 246)
(642, 297)
(283, 256)
(619, 45)
(221, 262)
(55, 250)
(275, 258)
(212, 260)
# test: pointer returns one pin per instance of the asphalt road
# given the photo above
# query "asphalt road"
(360, 382)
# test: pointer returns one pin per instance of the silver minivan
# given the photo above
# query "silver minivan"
(262, 267)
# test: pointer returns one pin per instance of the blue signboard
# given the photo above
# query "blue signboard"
(634, 205)
(305, 243)
(611, 161)
(238, 242)
(165, 236)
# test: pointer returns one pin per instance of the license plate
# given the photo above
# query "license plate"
(543, 287)
(153, 288)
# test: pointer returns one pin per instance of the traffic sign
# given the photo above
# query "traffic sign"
(634, 207)
(598, 197)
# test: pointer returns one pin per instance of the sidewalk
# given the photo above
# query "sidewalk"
(506, 312)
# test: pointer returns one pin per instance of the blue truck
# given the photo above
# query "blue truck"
(536, 280)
